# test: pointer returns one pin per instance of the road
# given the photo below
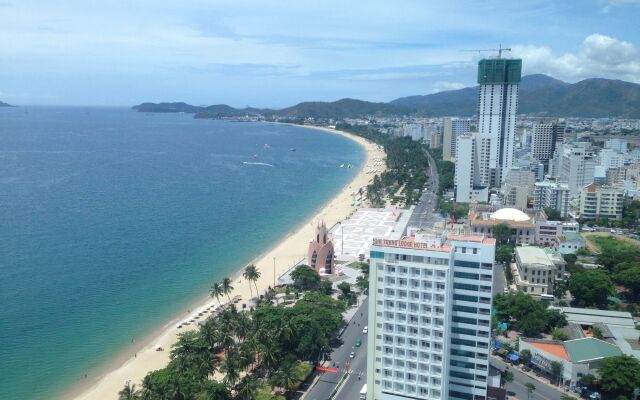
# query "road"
(520, 379)
(327, 382)
(423, 215)
(499, 279)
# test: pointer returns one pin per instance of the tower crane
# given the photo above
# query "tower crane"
(500, 49)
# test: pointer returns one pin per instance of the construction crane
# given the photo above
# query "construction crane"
(500, 49)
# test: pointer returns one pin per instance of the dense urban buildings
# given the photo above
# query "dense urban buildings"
(551, 194)
(544, 139)
(597, 202)
(430, 300)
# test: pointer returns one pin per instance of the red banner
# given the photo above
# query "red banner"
(323, 369)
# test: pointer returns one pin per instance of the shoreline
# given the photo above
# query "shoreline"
(289, 249)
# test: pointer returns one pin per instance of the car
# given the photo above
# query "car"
(352, 354)
(365, 329)
(505, 290)
(358, 342)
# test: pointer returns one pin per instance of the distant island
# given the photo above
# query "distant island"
(2, 104)
(539, 95)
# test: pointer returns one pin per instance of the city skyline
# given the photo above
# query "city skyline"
(276, 56)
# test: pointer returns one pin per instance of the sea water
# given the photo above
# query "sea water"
(114, 221)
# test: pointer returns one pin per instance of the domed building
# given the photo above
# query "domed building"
(320, 253)
(482, 220)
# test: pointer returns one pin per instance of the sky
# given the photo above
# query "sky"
(281, 52)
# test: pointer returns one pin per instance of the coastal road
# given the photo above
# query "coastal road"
(327, 382)
(543, 390)
(423, 214)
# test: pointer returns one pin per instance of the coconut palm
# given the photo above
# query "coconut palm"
(210, 333)
(285, 377)
(269, 355)
(216, 291)
(129, 392)
(227, 288)
(247, 388)
(230, 370)
(251, 274)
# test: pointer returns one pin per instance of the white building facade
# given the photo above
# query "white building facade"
(430, 317)
(452, 128)
(545, 137)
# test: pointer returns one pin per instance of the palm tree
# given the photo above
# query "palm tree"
(129, 392)
(285, 377)
(248, 388)
(251, 274)
(216, 291)
(530, 388)
(210, 333)
(227, 288)
(230, 370)
(507, 377)
(556, 371)
(269, 355)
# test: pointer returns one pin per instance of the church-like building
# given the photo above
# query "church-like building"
(320, 254)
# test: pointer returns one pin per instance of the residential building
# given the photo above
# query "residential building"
(436, 140)
(466, 190)
(550, 194)
(430, 317)
(536, 270)
(597, 202)
(618, 145)
(570, 242)
(574, 164)
(518, 188)
(452, 128)
(616, 176)
(609, 158)
(544, 139)
(497, 106)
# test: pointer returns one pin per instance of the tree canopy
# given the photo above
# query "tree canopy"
(527, 315)
(620, 376)
(305, 277)
(591, 288)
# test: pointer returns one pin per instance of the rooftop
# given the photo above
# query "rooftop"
(588, 316)
(571, 237)
(510, 214)
(590, 348)
(533, 255)
(555, 348)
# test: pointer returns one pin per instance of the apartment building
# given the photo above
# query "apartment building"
(601, 202)
(430, 317)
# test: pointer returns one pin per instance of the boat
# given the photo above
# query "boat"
(341, 165)
(292, 149)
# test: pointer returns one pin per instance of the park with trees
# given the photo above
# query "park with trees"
(263, 353)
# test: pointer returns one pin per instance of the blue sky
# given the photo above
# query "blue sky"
(277, 53)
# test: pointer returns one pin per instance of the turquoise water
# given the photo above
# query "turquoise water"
(113, 221)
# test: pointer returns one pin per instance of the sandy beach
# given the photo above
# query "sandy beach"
(288, 251)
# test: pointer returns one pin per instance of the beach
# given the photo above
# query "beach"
(144, 358)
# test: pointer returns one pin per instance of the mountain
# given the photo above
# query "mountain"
(543, 95)
(5, 104)
(168, 107)
(345, 108)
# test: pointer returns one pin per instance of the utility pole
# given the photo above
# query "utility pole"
(274, 273)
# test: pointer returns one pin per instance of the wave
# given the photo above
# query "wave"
(257, 163)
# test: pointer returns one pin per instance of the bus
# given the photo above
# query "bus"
(363, 392)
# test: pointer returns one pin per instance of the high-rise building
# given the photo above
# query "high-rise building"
(497, 106)
(574, 164)
(495, 140)
(601, 202)
(549, 194)
(452, 128)
(545, 137)
(430, 317)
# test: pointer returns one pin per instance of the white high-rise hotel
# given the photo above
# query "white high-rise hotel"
(493, 144)
(430, 317)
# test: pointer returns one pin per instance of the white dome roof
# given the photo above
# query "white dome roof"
(509, 214)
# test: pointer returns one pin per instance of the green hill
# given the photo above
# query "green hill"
(2, 104)
(345, 108)
(543, 95)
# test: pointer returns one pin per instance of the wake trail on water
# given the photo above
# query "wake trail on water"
(257, 163)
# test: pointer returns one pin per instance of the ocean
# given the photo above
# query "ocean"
(112, 222)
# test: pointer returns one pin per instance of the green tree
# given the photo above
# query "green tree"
(525, 356)
(630, 279)
(231, 370)
(596, 332)
(506, 377)
(212, 390)
(286, 376)
(346, 294)
(620, 376)
(504, 255)
(502, 233)
(227, 288)
(305, 277)
(556, 371)
(216, 291)
(530, 389)
(559, 334)
(552, 214)
(247, 388)
(326, 287)
(129, 392)
(251, 274)
(362, 282)
(591, 288)
(588, 381)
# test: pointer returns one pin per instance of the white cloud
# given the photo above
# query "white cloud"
(442, 86)
(599, 56)
(607, 5)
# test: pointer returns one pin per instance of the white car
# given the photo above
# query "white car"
(352, 354)
(365, 329)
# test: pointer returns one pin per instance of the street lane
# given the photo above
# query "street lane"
(328, 381)
(543, 390)
(423, 214)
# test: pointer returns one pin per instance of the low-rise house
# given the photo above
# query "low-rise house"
(536, 270)
(570, 242)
